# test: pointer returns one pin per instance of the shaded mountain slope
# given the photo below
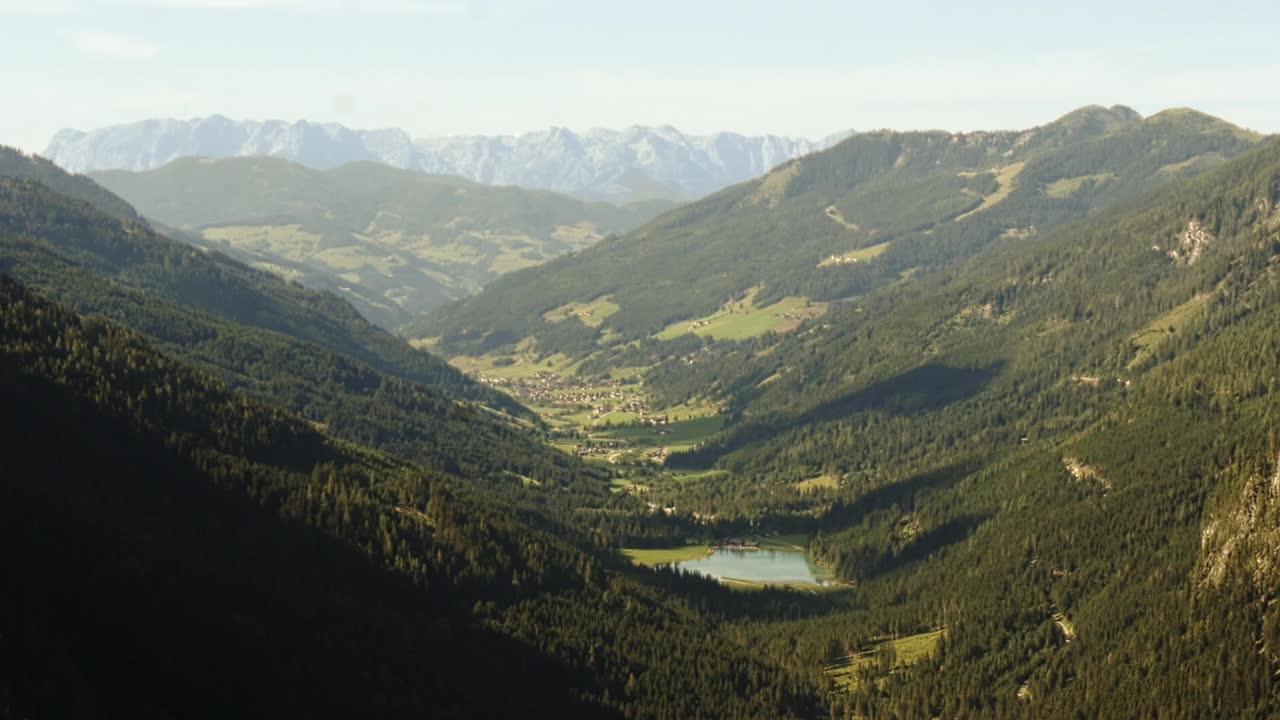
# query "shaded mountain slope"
(244, 563)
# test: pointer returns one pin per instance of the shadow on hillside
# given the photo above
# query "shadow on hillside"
(869, 562)
(846, 513)
(945, 535)
(924, 389)
(927, 388)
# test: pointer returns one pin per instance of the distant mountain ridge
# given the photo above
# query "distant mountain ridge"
(395, 243)
(636, 163)
(838, 224)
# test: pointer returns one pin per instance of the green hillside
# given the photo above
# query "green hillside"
(394, 243)
(130, 253)
(1063, 451)
(1057, 446)
(841, 223)
(245, 564)
(19, 165)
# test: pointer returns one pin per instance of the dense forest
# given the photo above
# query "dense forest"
(240, 561)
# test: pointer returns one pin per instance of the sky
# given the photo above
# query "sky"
(789, 67)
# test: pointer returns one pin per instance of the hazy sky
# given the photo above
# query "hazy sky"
(795, 67)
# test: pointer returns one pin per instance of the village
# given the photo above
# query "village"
(553, 391)
(577, 411)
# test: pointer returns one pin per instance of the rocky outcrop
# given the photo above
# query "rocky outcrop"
(1245, 535)
(1086, 474)
(1192, 243)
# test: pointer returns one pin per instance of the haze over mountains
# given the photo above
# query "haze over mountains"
(395, 243)
(636, 163)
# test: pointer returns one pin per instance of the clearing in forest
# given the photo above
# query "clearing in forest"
(1149, 339)
(741, 319)
(1004, 177)
(653, 557)
(1066, 187)
(861, 255)
(592, 314)
(897, 653)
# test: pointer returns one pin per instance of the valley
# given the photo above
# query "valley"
(922, 425)
(996, 383)
(394, 243)
(607, 418)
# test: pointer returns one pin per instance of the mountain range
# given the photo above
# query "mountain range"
(395, 243)
(636, 163)
(840, 223)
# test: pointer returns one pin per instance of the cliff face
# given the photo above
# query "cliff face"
(1244, 537)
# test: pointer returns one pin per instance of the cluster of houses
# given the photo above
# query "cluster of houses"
(658, 454)
(608, 448)
(839, 260)
(595, 449)
(547, 388)
(629, 404)
(738, 544)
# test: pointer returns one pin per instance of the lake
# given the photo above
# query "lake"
(762, 566)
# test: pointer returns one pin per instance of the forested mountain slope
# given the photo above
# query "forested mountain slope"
(132, 254)
(181, 550)
(840, 223)
(19, 165)
(349, 398)
(1064, 451)
(393, 242)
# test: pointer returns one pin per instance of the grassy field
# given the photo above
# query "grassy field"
(521, 365)
(666, 556)
(1199, 163)
(592, 314)
(582, 235)
(1004, 177)
(672, 435)
(793, 541)
(907, 650)
(692, 476)
(866, 254)
(741, 319)
(1066, 187)
(625, 485)
(834, 213)
(290, 242)
(822, 482)
(1159, 331)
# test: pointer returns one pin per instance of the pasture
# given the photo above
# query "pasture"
(652, 557)
(898, 653)
(741, 319)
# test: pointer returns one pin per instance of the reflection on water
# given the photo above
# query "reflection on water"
(762, 566)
